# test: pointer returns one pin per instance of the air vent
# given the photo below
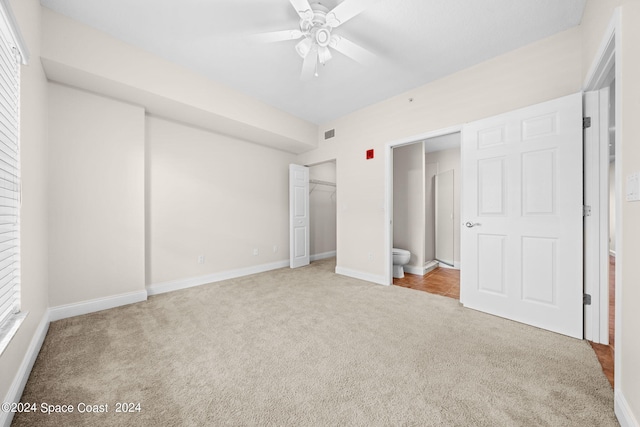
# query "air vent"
(330, 134)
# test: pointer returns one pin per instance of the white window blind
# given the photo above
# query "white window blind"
(9, 174)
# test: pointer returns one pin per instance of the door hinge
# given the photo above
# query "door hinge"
(586, 210)
(586, 299)
(586, 122)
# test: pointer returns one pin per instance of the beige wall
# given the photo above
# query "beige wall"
(80, 56)
(96, 197)
(86, 241)
(541, 71)
(630, 226)
(33, 232)
(450, 160)
(215, 196)
(408, 201)
(322, 209)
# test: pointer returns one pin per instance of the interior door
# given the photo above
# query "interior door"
(298, 216)
(522, 250)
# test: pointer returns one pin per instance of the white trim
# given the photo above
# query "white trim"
(623, 411)
(455, 266)
(430, 266)
(374, 278)
(612, 41)
(606, 56)
(388, 190)
(22, 375)
(9, 327)
(98, 304)
(175, 285)
(598, 221)
(602, 284)
(324, 255)
(15, 30)
(610, 50)
(414, 269)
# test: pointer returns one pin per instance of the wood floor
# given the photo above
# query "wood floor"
(441, 281)
(446, 282)
(604, 352)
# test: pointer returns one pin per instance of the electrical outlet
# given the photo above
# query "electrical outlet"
(200, 259)
(255, 252)
(275, 249)
(370, 256)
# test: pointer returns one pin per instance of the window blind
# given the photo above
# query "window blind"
(9, 175)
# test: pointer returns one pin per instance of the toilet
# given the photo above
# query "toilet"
(401, 258)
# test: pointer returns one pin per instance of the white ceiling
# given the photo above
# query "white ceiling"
(416, 41)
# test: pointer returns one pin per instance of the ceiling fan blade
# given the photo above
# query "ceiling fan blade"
(303, 8)
(352, 50)
(347, 10)
(276, 36)
(310, 64)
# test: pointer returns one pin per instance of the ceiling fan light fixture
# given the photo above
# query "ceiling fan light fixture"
(323, 36)
(324, 54)
(303, 47)
(335, 40)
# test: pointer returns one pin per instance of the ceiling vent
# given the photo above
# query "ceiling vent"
(330, 134)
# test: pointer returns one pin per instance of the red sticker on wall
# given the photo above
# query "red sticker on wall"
(370, 154)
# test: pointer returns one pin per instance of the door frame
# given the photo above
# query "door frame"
(388, 191)
(607, 58)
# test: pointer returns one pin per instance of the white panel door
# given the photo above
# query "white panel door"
(298, 216)
(521, 252)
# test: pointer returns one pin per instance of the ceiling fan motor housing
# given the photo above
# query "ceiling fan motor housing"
(316, 26)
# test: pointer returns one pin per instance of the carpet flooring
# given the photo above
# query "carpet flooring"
(309, 347)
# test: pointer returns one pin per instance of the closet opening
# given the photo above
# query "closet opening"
(322, 211)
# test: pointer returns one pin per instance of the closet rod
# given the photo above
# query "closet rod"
(317, 181)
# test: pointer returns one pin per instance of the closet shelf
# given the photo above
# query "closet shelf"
(317, 181)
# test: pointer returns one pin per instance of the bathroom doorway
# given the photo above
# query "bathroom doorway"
(426, 212)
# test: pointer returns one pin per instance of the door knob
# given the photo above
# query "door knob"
(471, 224)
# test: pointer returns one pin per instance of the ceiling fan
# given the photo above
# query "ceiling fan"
(317, 23)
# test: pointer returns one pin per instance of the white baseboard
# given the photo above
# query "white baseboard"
(323, 255)
(99, 304)
(455, 266)
(412, 269)
(175, 285)
(380, 280)
(22, 375)
(430, 266)
(626, 418)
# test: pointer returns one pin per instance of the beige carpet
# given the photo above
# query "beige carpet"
(308, 347)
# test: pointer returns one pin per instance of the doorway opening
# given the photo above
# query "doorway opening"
(425, 195)
(603, 196)
(322, 210)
